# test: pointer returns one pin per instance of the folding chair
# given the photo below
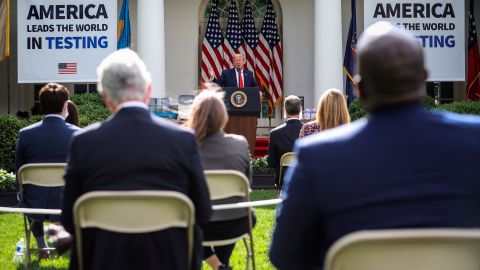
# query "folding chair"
(413, 249)
(228, 183)
(39, 174)
(285, 161)
(133, 212)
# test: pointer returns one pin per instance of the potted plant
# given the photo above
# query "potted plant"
(8, 189)
(263, 175)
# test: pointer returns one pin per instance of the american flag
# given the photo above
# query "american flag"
(250, 36)
(269, 58)
(473, 74)
(67, 68)
(350, 59)
(233, 39)
(212, 51)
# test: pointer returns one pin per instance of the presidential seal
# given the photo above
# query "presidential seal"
(238, 99)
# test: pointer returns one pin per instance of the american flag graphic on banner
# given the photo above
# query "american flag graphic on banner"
(250, 36)
(233, 39)
(269, 58)
(67, 68)
(212, 50)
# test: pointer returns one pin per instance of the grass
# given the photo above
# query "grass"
(11, 229)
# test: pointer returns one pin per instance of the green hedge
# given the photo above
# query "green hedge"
(91, 109)
(357, 110)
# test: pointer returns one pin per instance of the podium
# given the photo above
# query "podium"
(243, 106)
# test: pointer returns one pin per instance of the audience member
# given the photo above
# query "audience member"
(283, 137)
(72, 117)
(45, 141)
(220, 151)
(134, 150)
(332, 111)
(402, 167)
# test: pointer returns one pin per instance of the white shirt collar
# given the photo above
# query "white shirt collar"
(55, 115)
(132, 104)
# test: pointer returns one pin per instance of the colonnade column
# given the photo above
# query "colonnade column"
(328, 64)
(151, 42)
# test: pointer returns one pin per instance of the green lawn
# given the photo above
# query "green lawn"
(11, 229)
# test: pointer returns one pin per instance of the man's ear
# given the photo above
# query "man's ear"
(65, 108)
(108, 102)
(146, 99)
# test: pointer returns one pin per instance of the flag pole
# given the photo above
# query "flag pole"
(8, 85)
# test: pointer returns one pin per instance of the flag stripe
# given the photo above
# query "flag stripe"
(212, 50)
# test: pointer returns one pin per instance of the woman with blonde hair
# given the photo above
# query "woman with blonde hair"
(332, 111)
(220, 151)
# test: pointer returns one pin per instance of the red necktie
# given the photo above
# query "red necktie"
(240, 80)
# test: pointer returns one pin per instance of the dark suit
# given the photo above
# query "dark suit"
(229, 78)
(402, 168)
(136, 151)
(281, 141)
(45, 141)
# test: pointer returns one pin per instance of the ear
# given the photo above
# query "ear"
(108, 102)
(148, 94)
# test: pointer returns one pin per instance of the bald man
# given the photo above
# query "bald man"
(407, 167)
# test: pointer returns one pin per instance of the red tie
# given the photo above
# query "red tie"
(240, 80)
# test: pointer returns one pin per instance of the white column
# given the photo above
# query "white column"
(151, 42)
(328, 69)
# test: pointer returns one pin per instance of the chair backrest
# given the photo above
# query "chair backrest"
(227, 183)
(133, 212)
(287, 159)
(413, 249)
(42, 174)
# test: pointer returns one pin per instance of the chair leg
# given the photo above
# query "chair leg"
(27, 239)
(252, 251)
(248, 252)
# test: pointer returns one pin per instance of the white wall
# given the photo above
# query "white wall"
(298, 41)
(181, 46)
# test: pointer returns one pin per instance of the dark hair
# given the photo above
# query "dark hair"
(72, 117)
(52, 98)
(293, 105)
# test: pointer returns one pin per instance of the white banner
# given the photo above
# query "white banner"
(64, 40)
(438, 25)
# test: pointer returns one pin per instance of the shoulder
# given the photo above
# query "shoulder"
(451, 118)
(278, 129)
(31, 127)
(236, 139)
(331, 137)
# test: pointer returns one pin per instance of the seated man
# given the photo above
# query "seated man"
(134, 150)
(45, 141)
(283, 136)
(403, 167)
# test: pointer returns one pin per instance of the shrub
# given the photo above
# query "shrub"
(91, 108)
(9, 127)
(7, 181)
(357, 110)
(462, 107)
(260, 165)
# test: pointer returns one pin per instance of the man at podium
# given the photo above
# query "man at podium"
(238, 76)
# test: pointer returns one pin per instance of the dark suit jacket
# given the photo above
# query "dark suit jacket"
(222, 151)
(229, 78)
(402, 168)
(281, 141)
(136, 151)
(45, 141)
